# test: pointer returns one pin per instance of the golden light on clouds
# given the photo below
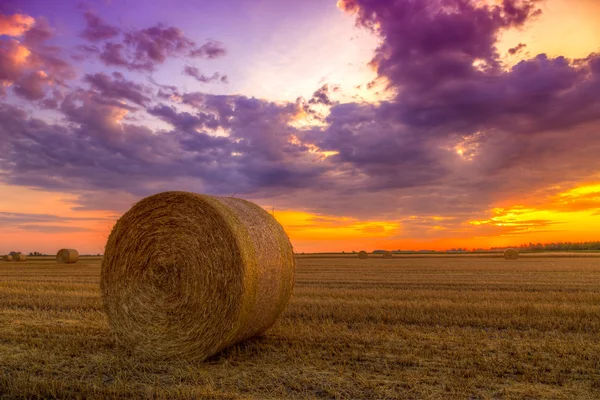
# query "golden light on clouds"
(312, 149)
(306, 226)
(567, 28)
(20, 54)
(15, 25)
(569, 215)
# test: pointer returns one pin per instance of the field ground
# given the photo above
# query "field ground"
(400, 328)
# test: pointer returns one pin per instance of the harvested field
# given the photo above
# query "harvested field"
(405, 327)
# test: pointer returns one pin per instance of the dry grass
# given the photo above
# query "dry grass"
(406, 328)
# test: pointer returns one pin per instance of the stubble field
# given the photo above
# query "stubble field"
(400, 328)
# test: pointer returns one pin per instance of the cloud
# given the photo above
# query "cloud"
(32, 86)
(145, 49)
(184, 120)
(321, 96)
(52, 228)
(118, 88)
(30, 66)
(10, 218)
(15, 25)
(46, 223)
(96, 29)
(211, 49)
(104, 151)
(517, 48)
(196, 74)
(38, 33)
(460, 131)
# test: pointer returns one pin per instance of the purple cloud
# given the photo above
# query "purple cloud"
(517, 48)
(32, 66)
(200, 77)
(145, 49)
(458, 128)
(321, 96)
(96, 29)
(211, 49)
(118, 88)
(32, 86)
(39, 32)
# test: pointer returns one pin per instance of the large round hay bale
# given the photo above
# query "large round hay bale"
(387, 254)
(511, 254)
(67, 256)
(186, 275)
(19, 257)
(362, 254)
(7, 257)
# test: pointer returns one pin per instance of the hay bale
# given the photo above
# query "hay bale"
(387, 254)
(511, 254)
(19, 257)
(362, 254)
(67, 256)
(186, 275)
(7, 258)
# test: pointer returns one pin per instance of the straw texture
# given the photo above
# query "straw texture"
(185, 275)
(362, 254)
(67, 256)
(511, 254)
(7, 258)
(19, 257)
(387, 254)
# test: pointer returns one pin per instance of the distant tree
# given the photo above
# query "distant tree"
(14, 253)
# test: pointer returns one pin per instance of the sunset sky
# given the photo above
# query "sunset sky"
(362, 124)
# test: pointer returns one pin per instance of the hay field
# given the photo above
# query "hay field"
(399, 328)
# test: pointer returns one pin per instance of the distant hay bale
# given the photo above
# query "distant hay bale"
(387, 254)
(186, 275)
(67, 256)
(19, 257)
(511, 254)
(362, 254)
(7, 258)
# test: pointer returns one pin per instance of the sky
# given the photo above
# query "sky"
(360, 124)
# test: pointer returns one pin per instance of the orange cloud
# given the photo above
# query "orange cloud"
(15, 25)
(304, 225)
(18, 53)
(349, 6)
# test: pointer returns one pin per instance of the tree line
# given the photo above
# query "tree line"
(559, 246)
